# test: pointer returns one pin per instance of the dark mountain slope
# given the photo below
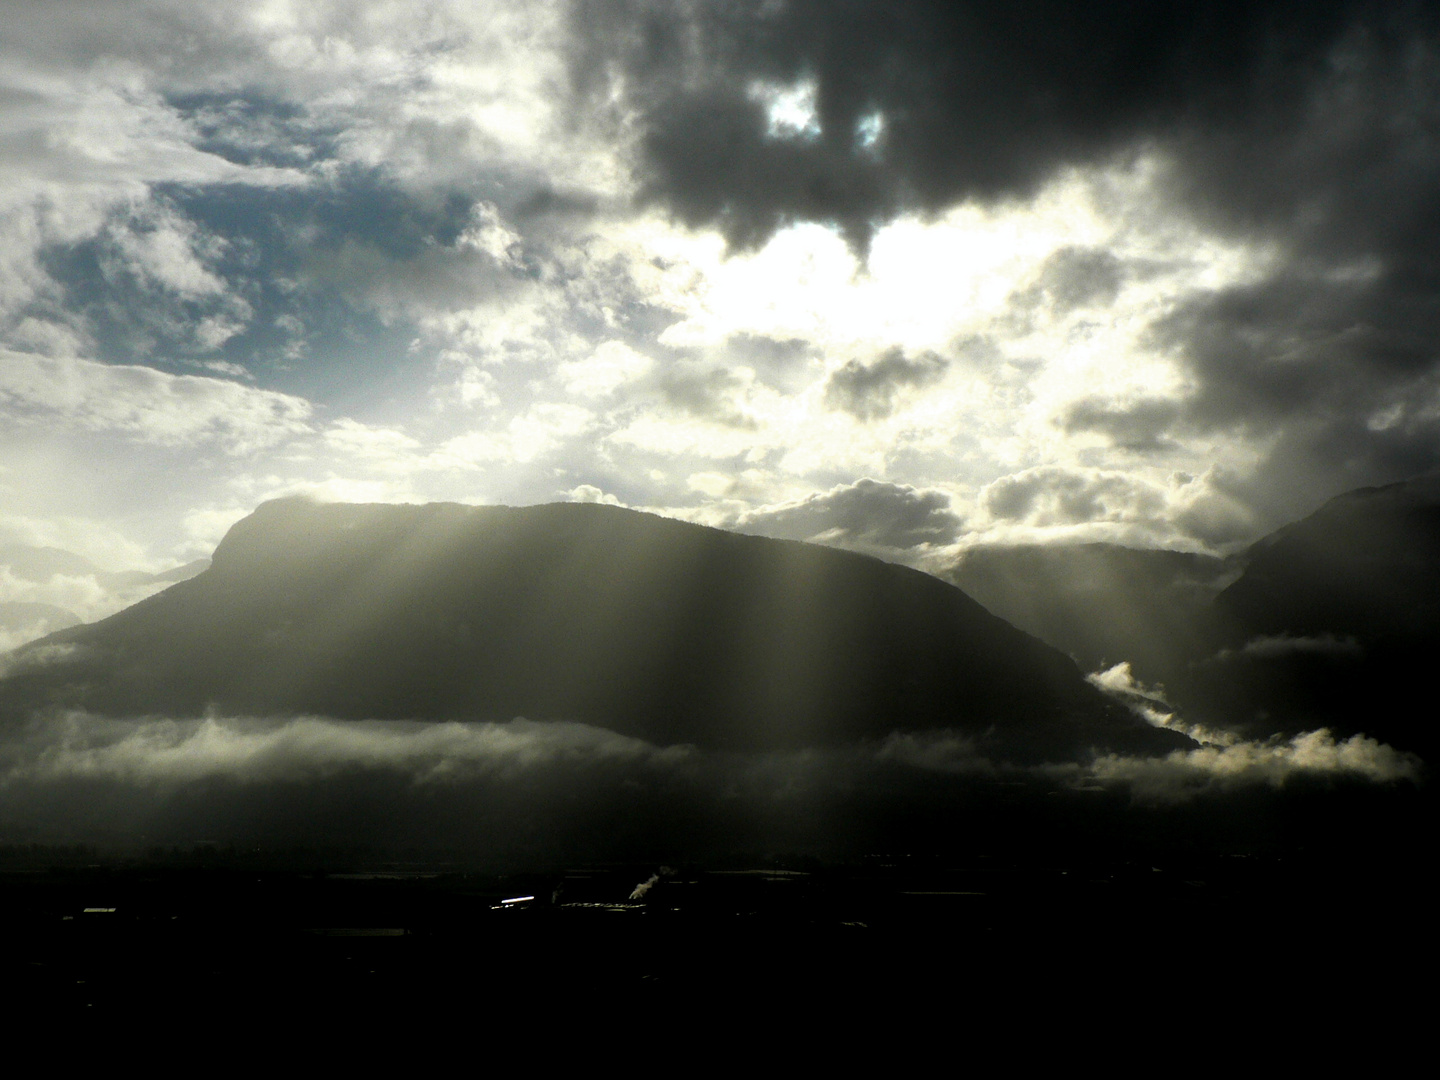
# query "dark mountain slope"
(1101, 603)
(1332, 621)
(1336, 622)
(1366, 563)
(642, 625)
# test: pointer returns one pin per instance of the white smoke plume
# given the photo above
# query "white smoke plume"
(639, 892)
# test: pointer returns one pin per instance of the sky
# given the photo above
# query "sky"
(903, 277)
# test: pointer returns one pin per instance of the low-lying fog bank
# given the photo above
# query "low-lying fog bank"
(530, 791)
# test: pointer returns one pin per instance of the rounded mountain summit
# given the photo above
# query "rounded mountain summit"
(646, 626)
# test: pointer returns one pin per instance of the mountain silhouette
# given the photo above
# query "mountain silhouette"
(650, 627)
(1331, 621)
(1335, 622)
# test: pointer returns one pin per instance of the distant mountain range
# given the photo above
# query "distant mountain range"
(48, 578)
(1329, 622)
(676, 633)
(30, 562)
(646, 626)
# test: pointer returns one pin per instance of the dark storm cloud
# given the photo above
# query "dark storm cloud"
(547, 202)
(1307, 129)
(1291, 344)
(919, 105)
(868, 513)
(1341, 374)
(872, 391)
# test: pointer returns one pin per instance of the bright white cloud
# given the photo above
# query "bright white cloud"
(537, 432)
(1224, 762)
(608, 368)
(1184, 775)
(383, 445)
(85, 595)
(146, 405)
(791, 111)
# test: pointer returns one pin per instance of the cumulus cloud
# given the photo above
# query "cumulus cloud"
(867, 514)
(589, 493)
(1300, 130)
(1059, 495)
(1142, 508)
(712, 394)
(608, 368)
(484, 265)
(539, 431)
(873, 391)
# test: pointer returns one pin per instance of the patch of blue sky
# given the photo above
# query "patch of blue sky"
(291, 326)
(253, 130)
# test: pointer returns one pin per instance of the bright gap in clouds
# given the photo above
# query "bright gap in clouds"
(645, 362)
(790, 110)
(1010, 321)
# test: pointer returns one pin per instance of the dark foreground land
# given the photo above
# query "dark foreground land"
(994, 947)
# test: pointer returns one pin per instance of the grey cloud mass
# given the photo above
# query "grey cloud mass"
(867, 514)
(1055, 496)
(1075, 277)
(971, 99)
(1132, 425)
(705, 392)
(872, 391)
